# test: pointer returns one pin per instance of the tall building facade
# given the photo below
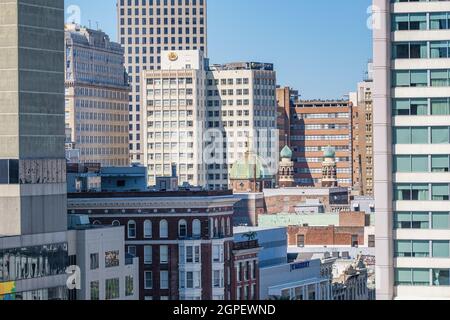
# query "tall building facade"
(32, 159)
(174, 106)
(363, 139)
(411, 148)
(96, 97)
(204, 119)
(241, 117)
(145, 29)
(33, 230)
(315, 126)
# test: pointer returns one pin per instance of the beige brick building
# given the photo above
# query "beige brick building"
(96, 97)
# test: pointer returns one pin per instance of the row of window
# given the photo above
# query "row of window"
(422, 277)
(421, 107)
(421, 78)
(421, 21)
(421, 50)
(421, 135)
(112, 288)
(421, 249)
(422, 220)
(421, 163)
(217, 227)
(421, 192)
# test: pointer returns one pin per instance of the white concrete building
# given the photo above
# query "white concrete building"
(241, 103)
(175, 117)
(107, 271)
(411, 148)
(204, 119)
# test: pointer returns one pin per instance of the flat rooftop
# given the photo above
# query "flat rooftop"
(242, 66)
(149, 194)
(237, 230)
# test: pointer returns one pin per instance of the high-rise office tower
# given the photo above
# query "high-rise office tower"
(412, 148)
(32, 159)
(33, 225)
(145, 29)
(96, 97)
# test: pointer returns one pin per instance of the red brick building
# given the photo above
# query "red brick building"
(245, 271)
(184, 239)
(350, 232)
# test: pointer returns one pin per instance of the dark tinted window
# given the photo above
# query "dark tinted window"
(13, 171)
(4, 172)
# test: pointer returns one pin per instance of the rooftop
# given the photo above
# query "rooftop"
(149, 194)
(243, 66)
(242, 229)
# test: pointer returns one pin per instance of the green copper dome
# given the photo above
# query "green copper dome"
(329, 153)
(244, 169)
(286, 153)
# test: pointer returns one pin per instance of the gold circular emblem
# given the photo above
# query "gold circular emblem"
(173, 56)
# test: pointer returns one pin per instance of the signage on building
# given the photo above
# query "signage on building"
(300, 265)
(173, 56)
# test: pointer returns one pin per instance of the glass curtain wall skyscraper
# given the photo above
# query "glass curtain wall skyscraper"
(145, 29)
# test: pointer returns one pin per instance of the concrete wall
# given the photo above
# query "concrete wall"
(32, 114)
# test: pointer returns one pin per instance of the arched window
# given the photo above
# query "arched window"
(229, 227)
(148, 232)
(182, 229)
(116, 223)
(196, 228)
(163, 229)
(96, 223)
(131, 229)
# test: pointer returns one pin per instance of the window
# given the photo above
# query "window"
(440, 220)
(94, 261)
(163, 229)
(301, 241)
(441, 249)
(95, 290)
(164, 280)
(129, 286)
(217, 253)
(218, 279)
(412, 249)
(112, 289)
(371, 241)
(131, 229)
(412, 277)
(415, 192)
(410, 107)
(410, 50)
(441, 277)
(410, 78)
(439, 135)
(148, 280)
(182, 229)
(112, 259)
(411, 164)
(440, 163)
(148, 232)
(164, 254)
(440, 192)
(196, 228)
(148, 255)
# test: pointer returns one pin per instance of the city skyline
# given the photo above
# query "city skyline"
(292, 32)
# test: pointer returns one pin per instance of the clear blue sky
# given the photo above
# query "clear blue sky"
(320, 47)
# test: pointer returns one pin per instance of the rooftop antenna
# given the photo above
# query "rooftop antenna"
(89, 24)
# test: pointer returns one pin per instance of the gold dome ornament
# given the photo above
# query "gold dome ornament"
(173, 56)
